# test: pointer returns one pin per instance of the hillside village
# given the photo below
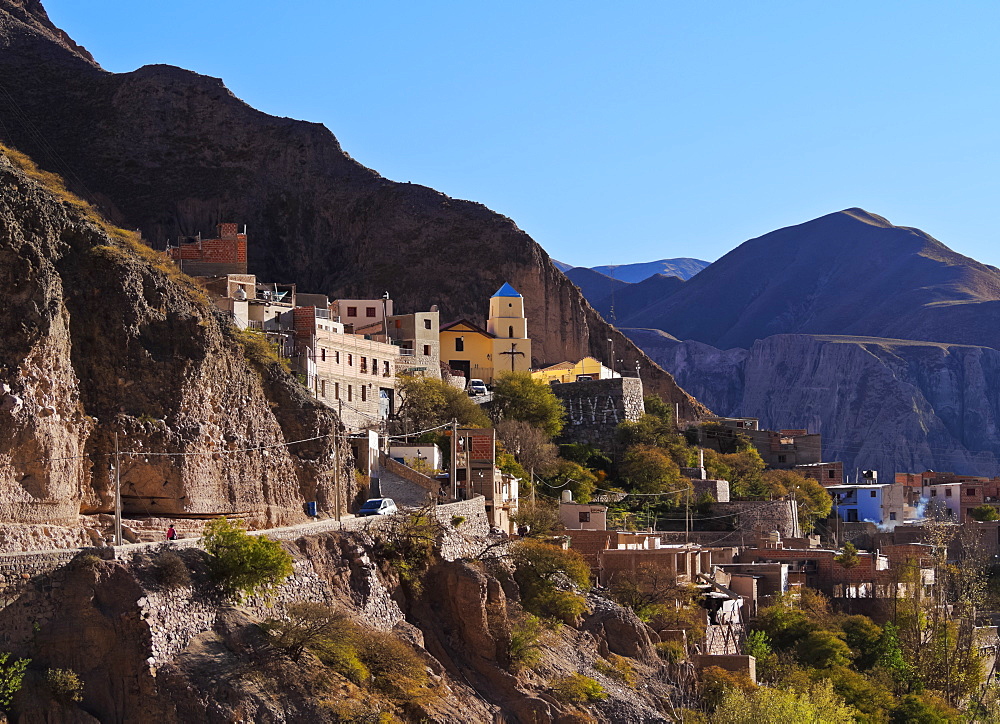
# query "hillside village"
(734, 551)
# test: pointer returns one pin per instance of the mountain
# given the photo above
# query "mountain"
(877, 336)
(593, 285)
(171, 152)
(847, 273)
(684, 267)
(892, 405)
(562, 266)
(633, 298)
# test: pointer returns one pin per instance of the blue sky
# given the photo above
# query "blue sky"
(619, 132)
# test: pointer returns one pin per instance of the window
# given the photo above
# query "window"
(873, 494)
(350, 392)
(892, 516)
(399, 323)
(510, 332)
(947, 492)
(336, 357)
(427, 324)
(364, 393)
(336, 390)
(370, 311)
(933, 492)
(385, 373)
(352, 311)
(584, 517)
(350, 360)
(970, 491)
(322, 354)
(459, 344)
(782, 458)
(364, 364)
(427, 350)
(831, 473)
(374, 366)
(322, 388)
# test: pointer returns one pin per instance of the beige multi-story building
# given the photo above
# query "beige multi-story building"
(350, 372)
(361, 312)
(416, 337)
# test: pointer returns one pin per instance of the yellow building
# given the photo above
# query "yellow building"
(586, 369)
(484, 353)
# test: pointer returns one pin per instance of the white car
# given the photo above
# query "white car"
(477, 387)
(378, 506)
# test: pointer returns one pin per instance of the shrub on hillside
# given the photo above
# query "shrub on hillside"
(11, 677)
(577, 689)
(540, 569)
(244, 564)
(171, 571)
(64, 684)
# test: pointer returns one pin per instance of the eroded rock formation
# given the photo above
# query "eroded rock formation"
(99, 341)
(886, 404)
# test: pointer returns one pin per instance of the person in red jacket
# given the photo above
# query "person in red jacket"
(171, 533)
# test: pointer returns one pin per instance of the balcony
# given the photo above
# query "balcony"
(322, 314)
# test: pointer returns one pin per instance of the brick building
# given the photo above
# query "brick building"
(225, 254)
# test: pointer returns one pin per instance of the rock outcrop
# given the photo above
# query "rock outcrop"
(891, 405)
(172, 152)
(104, 341)
(152, 640)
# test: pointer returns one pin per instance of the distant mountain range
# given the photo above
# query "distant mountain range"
(684, 267)
(619, 292)
(877, 336)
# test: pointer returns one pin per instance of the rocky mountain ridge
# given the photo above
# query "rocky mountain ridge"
(171, 152)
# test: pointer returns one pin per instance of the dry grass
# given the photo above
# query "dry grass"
(128, 241)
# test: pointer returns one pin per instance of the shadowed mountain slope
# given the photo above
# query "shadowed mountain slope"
(171, 152)
(683, 268)
(850, 273)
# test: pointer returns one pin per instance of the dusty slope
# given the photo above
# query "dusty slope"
(849, 273)
(168, 151)
(98, 341)
(892, 405)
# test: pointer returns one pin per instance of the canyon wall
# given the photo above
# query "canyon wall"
(892, 405)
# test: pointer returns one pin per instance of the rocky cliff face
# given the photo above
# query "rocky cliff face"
(100, 339)
(886, 404)
(169, 152)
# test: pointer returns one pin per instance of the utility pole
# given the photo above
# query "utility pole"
(118, 494)
(336, 474)
(454, 459)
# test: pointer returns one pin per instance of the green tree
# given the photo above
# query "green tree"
(244, 564)
(818, 704)
(849, 557)
(573, 476)
(647, 469)
(985, 513)
(743, 470)
(813, 501)
(426, 402)
(518, 396)
(648, 430)
(823, 649)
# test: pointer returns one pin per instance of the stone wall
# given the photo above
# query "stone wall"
(595, 408)
(407, 473)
